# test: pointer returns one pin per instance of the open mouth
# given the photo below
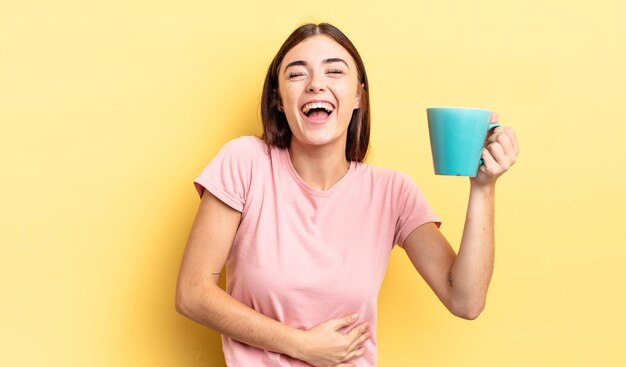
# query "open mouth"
(317, 111)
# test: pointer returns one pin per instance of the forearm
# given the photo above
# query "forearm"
(218, 310)
(471, 271)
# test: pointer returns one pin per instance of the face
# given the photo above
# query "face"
(319, 89)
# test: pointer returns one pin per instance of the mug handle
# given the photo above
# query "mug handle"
(491, 126)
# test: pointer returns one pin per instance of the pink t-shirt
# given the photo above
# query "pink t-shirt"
(303, 256)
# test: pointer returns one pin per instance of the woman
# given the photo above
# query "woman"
(305, 228)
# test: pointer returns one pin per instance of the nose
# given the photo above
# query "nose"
(316, 84)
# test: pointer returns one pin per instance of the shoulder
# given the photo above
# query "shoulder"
(246, 144)
(229, 175)
(244, 149)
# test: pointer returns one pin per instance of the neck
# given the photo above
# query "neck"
(320, 167)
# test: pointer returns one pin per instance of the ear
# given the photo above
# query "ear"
(357, 103)
(277, 100)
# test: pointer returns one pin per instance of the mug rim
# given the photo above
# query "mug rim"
(457, 108)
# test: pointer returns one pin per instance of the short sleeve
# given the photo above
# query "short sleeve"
(228, 176)
(411, 207)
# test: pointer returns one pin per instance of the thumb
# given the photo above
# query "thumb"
(345, 321)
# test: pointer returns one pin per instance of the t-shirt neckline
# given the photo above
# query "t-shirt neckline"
(292, 170)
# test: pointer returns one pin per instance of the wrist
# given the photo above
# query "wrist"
(296, 343)
(487, 189)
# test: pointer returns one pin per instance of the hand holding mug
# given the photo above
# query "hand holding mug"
(499, 153)
(458, 138)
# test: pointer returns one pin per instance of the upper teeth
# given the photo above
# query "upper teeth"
(325, 105)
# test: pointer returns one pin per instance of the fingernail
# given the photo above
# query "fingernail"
(355, 316)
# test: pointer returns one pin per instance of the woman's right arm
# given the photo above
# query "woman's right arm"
(199, 298)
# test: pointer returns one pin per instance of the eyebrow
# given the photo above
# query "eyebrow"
(325, 61)
(335, 59)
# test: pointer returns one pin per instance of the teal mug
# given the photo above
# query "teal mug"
(457, 138)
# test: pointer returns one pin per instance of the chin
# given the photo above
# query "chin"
(319, 135)
(317, 140)
(320, 139)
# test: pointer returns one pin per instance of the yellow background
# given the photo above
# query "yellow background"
(110, 109)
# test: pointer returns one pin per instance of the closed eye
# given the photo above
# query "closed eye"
(335, 72)
(295, 74)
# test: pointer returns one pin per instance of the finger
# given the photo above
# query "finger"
(493, 119)
(343, 321)
(497, 152)
(345, 365)
(494, 134)
(357, 331)
(357, 353)
(504, 140)
(489, 163)
(504, 130)
(511, 133)
(360, 340)
(507, 145)
(491, 136)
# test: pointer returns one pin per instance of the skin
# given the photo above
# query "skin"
(318, 150)
(318, 154)
(461, 281)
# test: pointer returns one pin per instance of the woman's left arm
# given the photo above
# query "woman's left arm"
(461, 281)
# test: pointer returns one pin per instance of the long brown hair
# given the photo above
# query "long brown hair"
(276, 131)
